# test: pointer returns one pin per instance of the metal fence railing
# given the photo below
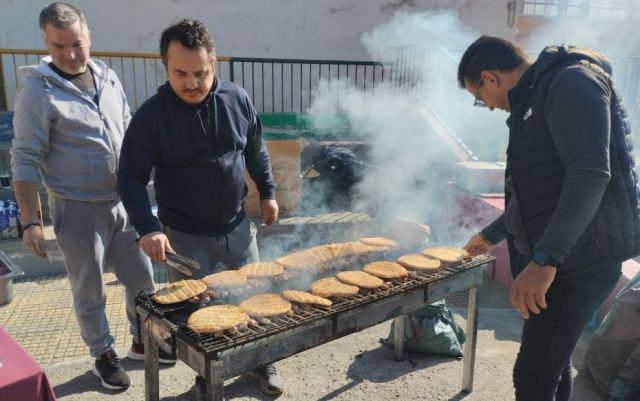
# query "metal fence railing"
(288, 85)
(140, 73)
(600, 9)
(275, 85)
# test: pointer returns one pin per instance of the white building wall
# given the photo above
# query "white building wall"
(314, 29)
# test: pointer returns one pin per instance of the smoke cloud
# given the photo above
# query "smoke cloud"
(418, 123)
(611, 30)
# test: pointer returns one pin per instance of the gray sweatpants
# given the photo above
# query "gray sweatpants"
(92, 236)
(215, 254)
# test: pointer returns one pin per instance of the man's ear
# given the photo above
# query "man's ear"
(213, 64)
(490, 78)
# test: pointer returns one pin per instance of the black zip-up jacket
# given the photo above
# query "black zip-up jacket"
(199, 154)
(574, 192)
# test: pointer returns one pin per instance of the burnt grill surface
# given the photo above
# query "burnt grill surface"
(212, 345)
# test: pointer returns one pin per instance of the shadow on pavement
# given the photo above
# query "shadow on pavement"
(340, 390)
(460, 396)
(245, 387)
(186, 396)
(366, 366)
(506, 323)
(89, 382)
(82, 384)
(131, 365)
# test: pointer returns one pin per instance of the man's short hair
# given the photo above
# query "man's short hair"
(61, 16)
(191, 33)
(489, 53)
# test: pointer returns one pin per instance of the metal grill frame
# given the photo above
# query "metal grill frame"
(296, 335)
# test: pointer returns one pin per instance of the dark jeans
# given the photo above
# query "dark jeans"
(542, 370)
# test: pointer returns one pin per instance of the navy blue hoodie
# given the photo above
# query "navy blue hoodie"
(199, 154)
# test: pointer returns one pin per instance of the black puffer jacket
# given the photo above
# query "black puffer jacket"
(570, 160)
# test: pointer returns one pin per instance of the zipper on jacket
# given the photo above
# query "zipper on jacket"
(116, 154)
(100, 89)
(211, 122)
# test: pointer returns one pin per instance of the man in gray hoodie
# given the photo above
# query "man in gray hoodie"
(70, 117)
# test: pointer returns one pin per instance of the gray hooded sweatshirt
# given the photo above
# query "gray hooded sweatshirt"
(63, 136)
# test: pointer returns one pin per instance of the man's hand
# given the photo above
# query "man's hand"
(33, 240)
(30, 210)
(155, 244)
(269, 211)
(477, 245)
(528, 291)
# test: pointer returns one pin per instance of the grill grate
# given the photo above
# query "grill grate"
(212, 345)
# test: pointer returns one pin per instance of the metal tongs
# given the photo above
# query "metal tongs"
(181, 263)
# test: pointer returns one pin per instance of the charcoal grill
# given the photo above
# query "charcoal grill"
(221, 358)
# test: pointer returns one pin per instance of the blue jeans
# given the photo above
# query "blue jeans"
(542, 370)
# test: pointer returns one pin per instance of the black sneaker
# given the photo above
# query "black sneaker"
(269, 379)
(109, 369)
(136, 353)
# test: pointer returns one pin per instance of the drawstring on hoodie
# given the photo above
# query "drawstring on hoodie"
(204, 129)
(47, 84)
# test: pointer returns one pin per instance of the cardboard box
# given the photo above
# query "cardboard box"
(285, 163)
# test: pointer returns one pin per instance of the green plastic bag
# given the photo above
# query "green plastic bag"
(431, 330)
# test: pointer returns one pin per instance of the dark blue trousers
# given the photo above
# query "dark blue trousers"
(542, 370)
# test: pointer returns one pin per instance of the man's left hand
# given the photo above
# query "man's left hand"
(528, 291)
(269, 210)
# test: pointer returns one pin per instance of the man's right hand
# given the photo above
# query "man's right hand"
(477, 246)
(33, 240)
(155, 244)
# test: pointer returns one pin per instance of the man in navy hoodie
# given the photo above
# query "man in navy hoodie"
(572, 211)
(198, 133)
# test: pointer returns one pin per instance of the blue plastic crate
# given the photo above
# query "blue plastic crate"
(6, 126)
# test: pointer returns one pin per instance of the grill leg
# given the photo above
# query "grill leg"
(215, 387)
(151, 374)
(470, 345)
(398, 337)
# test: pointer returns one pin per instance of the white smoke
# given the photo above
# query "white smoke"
(608, 28)
(414, 123)
(418, 125)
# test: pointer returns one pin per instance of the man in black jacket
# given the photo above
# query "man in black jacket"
(572, 213)
(198, 133)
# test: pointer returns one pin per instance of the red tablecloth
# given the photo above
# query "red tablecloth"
(21, 378)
